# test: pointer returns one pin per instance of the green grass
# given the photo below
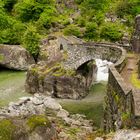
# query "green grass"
(134, 80)
(91, 106)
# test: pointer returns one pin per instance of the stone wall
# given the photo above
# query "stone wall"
(119, 103)
(120, 110)
(81, 53)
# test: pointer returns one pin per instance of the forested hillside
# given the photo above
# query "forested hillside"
(27, 21)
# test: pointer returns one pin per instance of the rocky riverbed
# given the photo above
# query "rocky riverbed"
(72, 127)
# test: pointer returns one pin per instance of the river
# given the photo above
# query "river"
(12, 88)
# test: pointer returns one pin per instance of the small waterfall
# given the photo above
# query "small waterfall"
(102, 72)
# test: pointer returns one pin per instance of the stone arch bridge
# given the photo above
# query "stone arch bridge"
(122, 104)
(121, 101)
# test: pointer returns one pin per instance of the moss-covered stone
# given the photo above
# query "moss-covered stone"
(58, 70)
(1, 57)
(7, 129)
(37, 121)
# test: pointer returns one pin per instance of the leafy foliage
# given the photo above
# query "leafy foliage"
(91, 31)
(46, 15)
(128, 7)
(31, 41)
(72, 30)
(111, 32)
(9, 4)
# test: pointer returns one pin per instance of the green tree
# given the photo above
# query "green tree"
(47, 17)
(5, 20)
(31, 41)
(27, 10)
(9, 4)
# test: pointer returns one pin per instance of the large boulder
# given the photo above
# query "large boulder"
(15, 57)
(53, 79)
(136, 35)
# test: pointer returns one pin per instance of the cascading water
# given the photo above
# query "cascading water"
(102, 72)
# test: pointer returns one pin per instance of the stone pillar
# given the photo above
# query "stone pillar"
(136, 35)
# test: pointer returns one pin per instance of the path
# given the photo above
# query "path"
(129, 75)
(129, 69)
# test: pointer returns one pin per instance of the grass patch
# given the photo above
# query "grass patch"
(134, 80)
(6, 129)
(38, 120)
(91, 110)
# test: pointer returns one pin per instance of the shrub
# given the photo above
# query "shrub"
(91, 31)
(95, 4)
(12, 33)
(9, 4)
(28, 10)
(79, 1)
(111, 31)
(98, 18)
(31, 41)
(5, 20)
(47, 17)
(128, 7)
(81, 22)
(72, 30)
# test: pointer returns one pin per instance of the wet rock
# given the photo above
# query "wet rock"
(15, 57)
(99, 138)
(127, 135)
(52, 104)
(37, 101)
(64, 136)
(63, 113)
